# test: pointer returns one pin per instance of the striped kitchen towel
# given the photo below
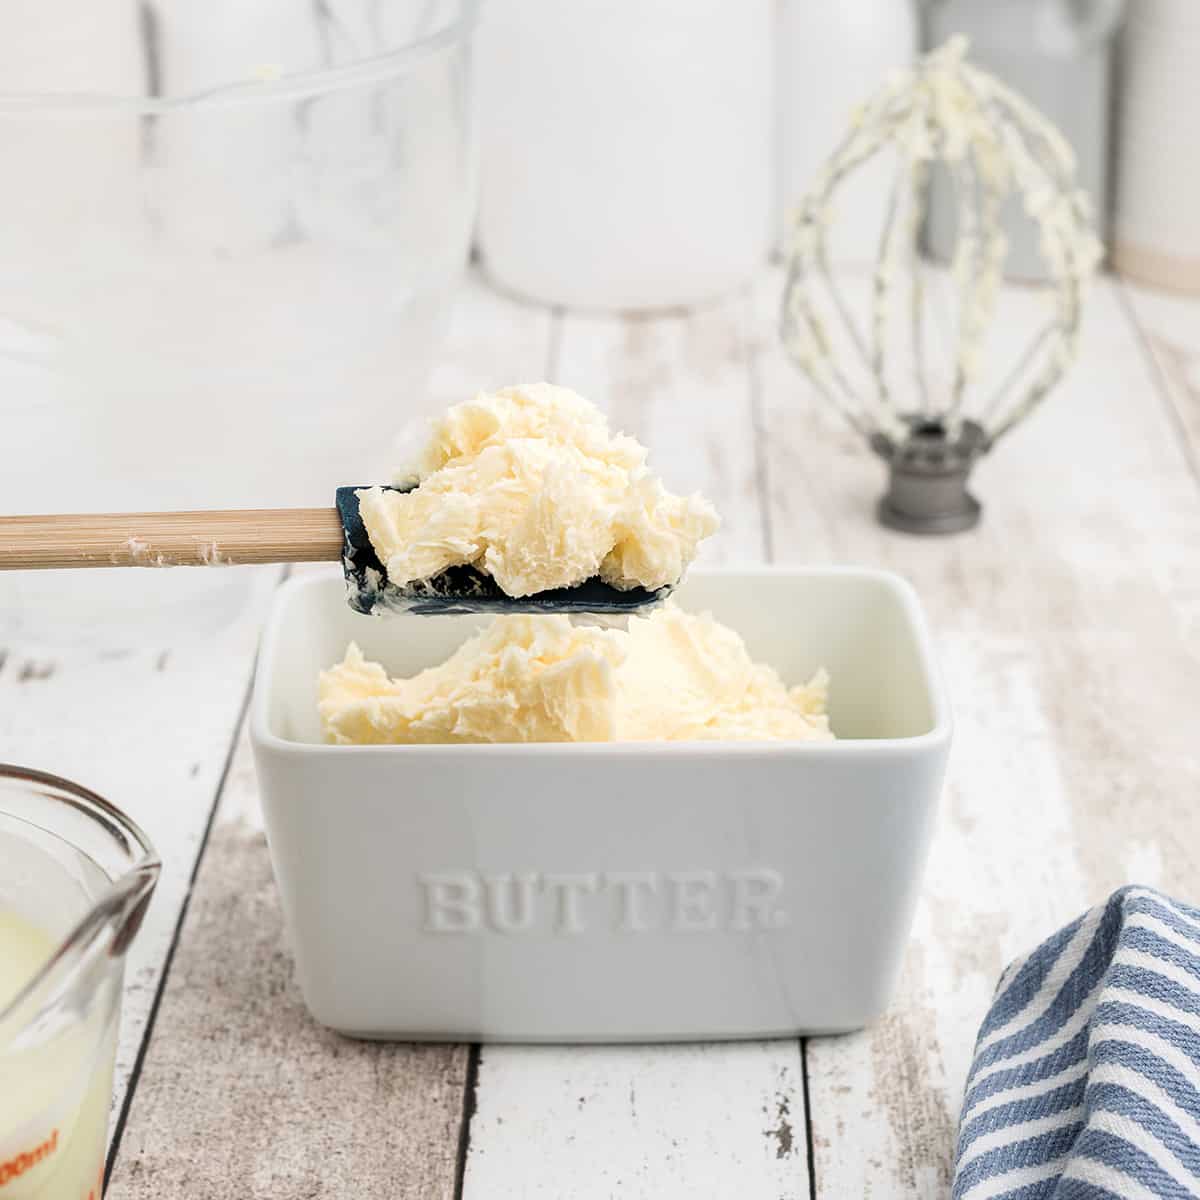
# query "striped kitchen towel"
(1086, 1078)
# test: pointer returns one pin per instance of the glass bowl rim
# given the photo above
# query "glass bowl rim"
(371, 69)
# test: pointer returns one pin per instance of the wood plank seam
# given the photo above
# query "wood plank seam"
(758, 423)
(808, 1121)
(1162, 384)
(758, 419)
(470, 1097)
(114, 1147)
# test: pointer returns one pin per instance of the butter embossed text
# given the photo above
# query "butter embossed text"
(575, 903)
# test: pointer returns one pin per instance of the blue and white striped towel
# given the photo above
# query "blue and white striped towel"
(1086, 1078)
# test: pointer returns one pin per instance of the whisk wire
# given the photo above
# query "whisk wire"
(994, 145)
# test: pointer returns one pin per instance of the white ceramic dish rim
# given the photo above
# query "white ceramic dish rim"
(939, 732)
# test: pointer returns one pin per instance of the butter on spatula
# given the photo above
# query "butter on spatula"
(464, 588)
(522, 501)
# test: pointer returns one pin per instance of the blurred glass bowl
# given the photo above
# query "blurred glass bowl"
(229, 234)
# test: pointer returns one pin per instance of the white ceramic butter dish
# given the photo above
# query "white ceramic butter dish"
(616, 892)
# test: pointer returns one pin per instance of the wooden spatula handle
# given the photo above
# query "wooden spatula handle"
(171, 539)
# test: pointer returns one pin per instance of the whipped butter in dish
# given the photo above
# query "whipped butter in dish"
(529, 486)
(672, 676)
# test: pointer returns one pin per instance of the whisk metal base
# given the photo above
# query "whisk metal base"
(967, 517)
(927, 484)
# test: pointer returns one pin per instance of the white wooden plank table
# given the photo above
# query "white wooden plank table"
(1069, 628)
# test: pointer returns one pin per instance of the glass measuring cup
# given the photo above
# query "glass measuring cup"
(75, 878)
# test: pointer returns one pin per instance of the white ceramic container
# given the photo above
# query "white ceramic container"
(618, 892)
(1156, 236)
(831, 58)
(626, 149)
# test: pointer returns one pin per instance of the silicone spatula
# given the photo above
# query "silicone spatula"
(281, 535)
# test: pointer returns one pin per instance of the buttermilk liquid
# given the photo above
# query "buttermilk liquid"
(54, 1096)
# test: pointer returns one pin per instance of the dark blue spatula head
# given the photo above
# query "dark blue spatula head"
(463, 589)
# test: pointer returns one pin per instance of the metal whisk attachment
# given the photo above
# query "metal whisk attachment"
(944, 116)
